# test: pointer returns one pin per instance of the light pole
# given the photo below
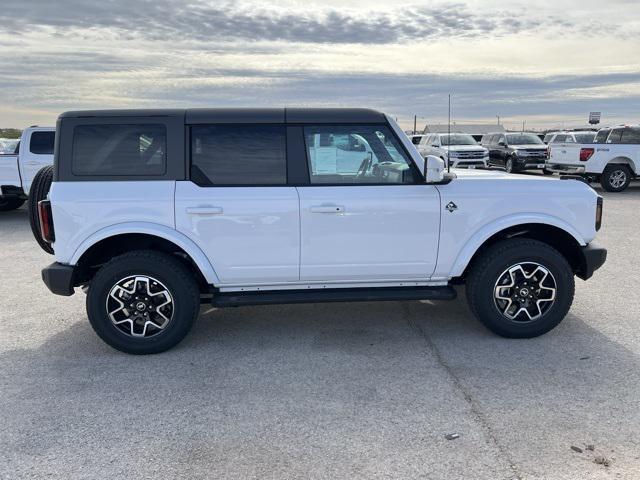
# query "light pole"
(498, 117)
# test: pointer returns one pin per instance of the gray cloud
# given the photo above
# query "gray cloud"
(232, 21)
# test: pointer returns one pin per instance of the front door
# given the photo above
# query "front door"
(378, 221)
(237, 206)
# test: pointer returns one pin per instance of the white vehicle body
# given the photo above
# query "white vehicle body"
(618, 146)
(18, 169)
(359, 215)
(471, 155)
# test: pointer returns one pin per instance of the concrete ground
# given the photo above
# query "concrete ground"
(325, 391)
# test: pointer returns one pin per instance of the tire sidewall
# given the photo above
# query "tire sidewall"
(493, 318)
(184, 312)
(509, 165)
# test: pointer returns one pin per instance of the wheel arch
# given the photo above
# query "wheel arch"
(622, 160)
(562, 238)
(107, 243)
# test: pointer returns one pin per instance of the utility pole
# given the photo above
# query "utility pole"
(498, 116)
(523, 125)
(415, 121)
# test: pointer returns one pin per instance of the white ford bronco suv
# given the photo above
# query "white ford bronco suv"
(153, 212)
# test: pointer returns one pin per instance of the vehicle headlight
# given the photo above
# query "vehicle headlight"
(516, 152)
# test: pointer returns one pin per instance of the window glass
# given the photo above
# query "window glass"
(416, 139)
(601, 136)
(614, 136)
(356, 155)
(499, 138)
(631, 135)
(127, 150)
(242, 154)
(560, 137)
(524, 139)
(41, 143)
(584, 137)
(457, 139)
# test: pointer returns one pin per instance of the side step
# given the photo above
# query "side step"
(275, 297)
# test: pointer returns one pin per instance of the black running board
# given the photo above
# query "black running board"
(275, 297)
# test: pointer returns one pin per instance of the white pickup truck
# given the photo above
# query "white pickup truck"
(17, 168)
(613, 158)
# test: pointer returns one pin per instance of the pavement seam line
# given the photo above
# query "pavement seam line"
(474, 406)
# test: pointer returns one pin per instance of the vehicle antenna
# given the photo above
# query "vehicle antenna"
(449, 137)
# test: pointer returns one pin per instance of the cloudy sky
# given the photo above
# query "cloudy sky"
(547, 63)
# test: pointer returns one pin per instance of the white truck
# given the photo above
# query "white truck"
(461, 150)
(613, 158)
(18, 168)
(153, 212)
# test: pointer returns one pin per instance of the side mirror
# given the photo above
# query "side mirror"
(433, 169)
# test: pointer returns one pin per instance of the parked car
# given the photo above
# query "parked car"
(460, 149)
(415, 139)
(516, 151)
(154, 212)
(570, 137)
(17, 168)
(613, 158)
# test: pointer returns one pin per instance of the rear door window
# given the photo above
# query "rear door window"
(615, 135)
(601, 136)
(41, 143)
(631, 135)
(119, 150)
(561, 137)
(241, 154)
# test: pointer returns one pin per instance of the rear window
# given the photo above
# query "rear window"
(615, 135)
(561, 137)
(584, 137)
(41, 143)
(238, 155)
(631, 135)
(119, 150)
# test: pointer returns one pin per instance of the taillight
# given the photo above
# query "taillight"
(585, 154)
(599, 214)
(46, 221)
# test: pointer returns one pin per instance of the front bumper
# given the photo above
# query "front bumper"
(566, 169)
(593, 257)
(530, 163)
(59, 278)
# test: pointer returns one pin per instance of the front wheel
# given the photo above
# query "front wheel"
(509, 166)
(520, 288)
(143, 302)
(615, 178)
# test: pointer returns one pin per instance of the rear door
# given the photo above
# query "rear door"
(378, 222)
(237, 205)
(36, 152)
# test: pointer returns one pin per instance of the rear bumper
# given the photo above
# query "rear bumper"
(59, 278)
(568, 169)
(593, 257)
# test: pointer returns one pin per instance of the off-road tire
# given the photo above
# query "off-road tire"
(488, 267)
(40, 187)
(173, 274)
(8, 204)
(607, 177)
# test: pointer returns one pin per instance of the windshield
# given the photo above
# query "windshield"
(584, 137)
(457, 139)
(523, 139)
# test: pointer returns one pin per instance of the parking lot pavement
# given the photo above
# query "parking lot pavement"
(363, 390)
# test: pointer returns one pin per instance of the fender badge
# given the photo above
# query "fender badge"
(451, 207)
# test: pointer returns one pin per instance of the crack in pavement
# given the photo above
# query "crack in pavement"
(476, 411)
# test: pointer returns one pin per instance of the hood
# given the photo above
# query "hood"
(466, 174)
(533, 146)
(464, 148)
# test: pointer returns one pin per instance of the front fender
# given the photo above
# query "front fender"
(156, 230)
(475, 241)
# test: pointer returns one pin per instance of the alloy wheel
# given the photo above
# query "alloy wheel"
(618, 178)
(140, 306)
(524, 292)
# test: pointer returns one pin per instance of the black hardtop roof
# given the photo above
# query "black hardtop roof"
(245, 115)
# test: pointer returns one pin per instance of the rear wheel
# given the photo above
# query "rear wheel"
(8, 204)
(520, 288)
(143, 302)
(40, 187)
(615, 178)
